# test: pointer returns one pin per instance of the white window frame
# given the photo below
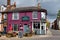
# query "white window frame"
(13, 27)
(0, 17)
(33, 14)
(13, 16)
(5, 16)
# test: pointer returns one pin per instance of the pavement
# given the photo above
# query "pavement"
(51, 35)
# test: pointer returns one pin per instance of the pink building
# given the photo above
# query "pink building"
(28, 19)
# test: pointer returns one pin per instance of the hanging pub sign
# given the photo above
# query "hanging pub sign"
(43, 16)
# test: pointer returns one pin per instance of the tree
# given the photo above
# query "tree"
(47, 24)
(58, 15)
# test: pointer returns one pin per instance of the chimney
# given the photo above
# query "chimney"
(8, 2)
(14, 4)
(38, 4)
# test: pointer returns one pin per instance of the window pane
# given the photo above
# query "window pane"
(15, 16)
(34, 14)
(36, 25)
(5, 16)
(15, 27)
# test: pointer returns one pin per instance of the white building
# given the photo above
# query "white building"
(2, 8)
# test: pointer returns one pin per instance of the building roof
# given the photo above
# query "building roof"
(24, 9)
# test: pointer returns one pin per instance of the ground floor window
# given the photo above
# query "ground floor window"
(15, 27)
(36, 25)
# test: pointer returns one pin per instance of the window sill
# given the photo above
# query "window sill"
(15, 19)
(34, 18)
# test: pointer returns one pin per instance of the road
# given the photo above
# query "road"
(52, 35)
(55, 32)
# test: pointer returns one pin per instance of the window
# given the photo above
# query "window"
(59, 24)
(5, 16)
(35, 15)
(43, 15)
(36, 25)
(0, 17)
(15, 16)
(15, 27)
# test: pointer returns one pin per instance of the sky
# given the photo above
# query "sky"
(52, 6)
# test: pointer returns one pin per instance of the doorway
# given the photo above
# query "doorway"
(26, 28)
(43, 28)
(4, 30)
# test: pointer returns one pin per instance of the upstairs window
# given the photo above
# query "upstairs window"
(0, 17)
(5, 16)
(35, 15)
(15, 16)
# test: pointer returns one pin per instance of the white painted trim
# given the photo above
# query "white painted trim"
(32, 26)
(34, 18)
(45, 28)
(16, 15)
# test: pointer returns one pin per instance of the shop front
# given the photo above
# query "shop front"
(39, 28)
(43, 28)
(26, 23)
(36, 27)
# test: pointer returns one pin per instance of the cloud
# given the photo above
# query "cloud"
(52, 6)
(49, 1)
(24, 2)
(3, 2)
